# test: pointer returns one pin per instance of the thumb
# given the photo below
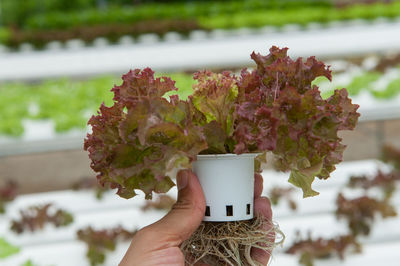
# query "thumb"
(187, 213)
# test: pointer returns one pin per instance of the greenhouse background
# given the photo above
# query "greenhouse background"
(59, 60)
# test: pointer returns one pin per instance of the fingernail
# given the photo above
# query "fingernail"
(182, 179)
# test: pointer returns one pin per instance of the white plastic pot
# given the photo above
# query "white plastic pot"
(228, 185)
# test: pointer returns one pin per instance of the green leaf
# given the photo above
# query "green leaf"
(100, 242)
(7, 249)
(28, 263)
(215, 96)
(215, 137)
(135, 142)
(141, 84)
(363, 82)
(126, 155)
(164, 185)
(303, 179)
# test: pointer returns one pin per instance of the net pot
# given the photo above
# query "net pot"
(228, 185)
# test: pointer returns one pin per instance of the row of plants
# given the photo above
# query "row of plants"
(68, 103)
(113, 32)
(37, 218)
(116, 22)
(160, 12)
(19, 13)
(360, 213)
(301, 16)
(365, 82)
(15, 12)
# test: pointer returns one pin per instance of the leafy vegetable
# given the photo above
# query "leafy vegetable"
(46, 100)
(363, 81)
(385, 181)
(99, 241)
(28, 263)
(28, 24)
(361, 212)
(214, 97)
(7, 193)
(387, 62)
(301, 15)
(311, 249)
(300, 128)
(163, 202)
(90, 183)
(7, 249)
(4, 35)
(391, 90)
(391, 155)
(135, 149)
(278, 193)
(36, 217)
(138, 140)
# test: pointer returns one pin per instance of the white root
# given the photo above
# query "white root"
(230, 243)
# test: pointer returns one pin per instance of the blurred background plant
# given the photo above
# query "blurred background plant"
(41, 21)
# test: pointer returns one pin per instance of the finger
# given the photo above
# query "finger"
(187, 213)
(262, 206)
(258, 185)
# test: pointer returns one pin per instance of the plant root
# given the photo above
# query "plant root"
(230, 243)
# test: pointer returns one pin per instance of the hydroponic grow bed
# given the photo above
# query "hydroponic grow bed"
(60, 247)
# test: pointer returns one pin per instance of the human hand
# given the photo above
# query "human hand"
(158, 244)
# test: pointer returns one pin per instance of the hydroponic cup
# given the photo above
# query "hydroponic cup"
(228, 186)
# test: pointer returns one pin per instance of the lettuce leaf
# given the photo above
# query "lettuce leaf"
(143, 136)
(295, 123)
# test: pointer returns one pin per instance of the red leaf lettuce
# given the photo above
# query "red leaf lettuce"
(144, 135)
